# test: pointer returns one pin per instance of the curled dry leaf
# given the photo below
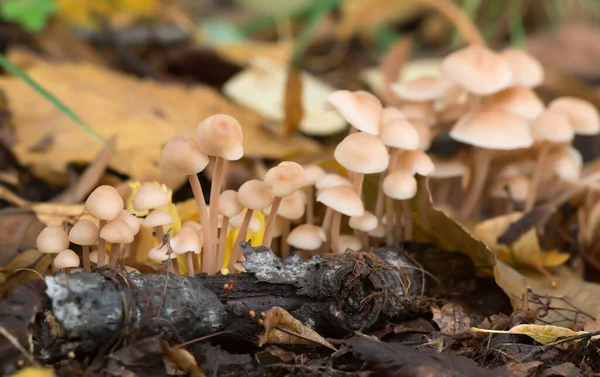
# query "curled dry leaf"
(451, 319)
(282, 328)
(183, 359)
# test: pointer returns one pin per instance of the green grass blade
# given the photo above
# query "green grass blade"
(319, 11)
(47, 95)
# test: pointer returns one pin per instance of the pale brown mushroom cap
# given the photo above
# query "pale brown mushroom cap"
(196, 226)
(187, 240)
(255, 194)
(253, 225)
(292, 207)
(361, 109)
(348, 242)
(306, 237)
(52, 240)
(379, 231)
(490, 128)
(312, 173)
(84, 232)
(94, 256)
(362, 153)
(425, 134)
(150, 196)
(518, 100)
(157, 218)
(478, 69)
(399, 133)
(567, 163)
(285, 178)
(400, 185)
(331, 180)
(116, 231)
(582, 115)
(424, 88)
(365, 223)
(421, 111)
(66, 259)
(518, 186)
(221, 135)
(390, 113)
(342, 199)
(447, 169)
(552, 126)
(526, 70)
(132, 220)
(181, 156)
(229, 205)
(416, 161)
(104, 203)
(159, 253)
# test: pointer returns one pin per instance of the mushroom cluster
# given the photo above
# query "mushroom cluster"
(484, 100)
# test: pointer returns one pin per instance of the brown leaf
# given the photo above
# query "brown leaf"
(143, 358)
(282, 328)
(522, 369)
(294, 111)
(18, 231)
(563, 370)
(452, 319)
(183, 359)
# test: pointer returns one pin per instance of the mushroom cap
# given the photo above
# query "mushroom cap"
(292, 207)
(518, 100)
(255, 194)
(490, 128)
(133, 221)
(422, 111)
(159, 253)
(478, 69)
(307, 237)
(582, 115)
(253, 225)
(84, 232)
(221, 135)
(399, 133)
(285, 178)
(526, 70)
(187, 240)
(518, 186)
(229, 205)
(552, 126)
(196, 226)
(157, 218)
(365, 223)
(567, 163)
(312, 173)
(52, 240)
(117, 231)
(424, 88)
(390, 113)
(94, 256)
(342, 199)
(416, 161)
(182, 156)
(331, 180)
(448, 169)
(400, 185)
(66, 259)
(348, 242)
(104, 203)
(361, 109)
(150, 196)
(362, 153)
(378, 232)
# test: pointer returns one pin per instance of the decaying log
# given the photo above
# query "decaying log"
(334, 295)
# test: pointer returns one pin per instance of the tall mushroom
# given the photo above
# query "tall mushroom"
(229, 206)
(84, 233)
(343, 200)
(219, 136)
(117, 233)
(312, 173)
(181, 156)
(156, 220)
(397, 185)
(284, 180)
(189, 242)
(292, 207)
(105, 204)
(150, 196)
(361, 109)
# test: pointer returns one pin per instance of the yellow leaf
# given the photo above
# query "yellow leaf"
(34, 372)
(88, 12)
(540, 333)
(143, 114)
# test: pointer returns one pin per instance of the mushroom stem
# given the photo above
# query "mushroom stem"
(536, 176)
(115, 253)
(215, 192)
(159, 234)
(336, 223)
(326, 226)
(380, 203)
(189, 262)
(173, 267)
(101, 246)
(236, 254)
(222, 242)
(481, 164)
(85, 253)
(270, 225)
(285, 231)
(358, 183)
(407, 221)
(207, 256)
(310, 205)
(389, 221)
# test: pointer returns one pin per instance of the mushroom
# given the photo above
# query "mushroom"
(219, 136)
(66, 260)
(443, 178)
(312, 173)
(52, 240)
(348, 242)
(363, 225)
(254, 195)
(582, 115)
(292, 207)
(84, 233)
(306, 237)
(423, 89)
(189, 242)
(325, 182)
(157, 219)
(526, 70)
(514, 189)
(105, 204)
(398, 185)
(162, 253)
(181, 156)
(488, 129)
(284, 180)
(517, 100)
(342, 200)
(361, 109)
(229, 206)
(117, 233)
(150, 196)
(134, 223)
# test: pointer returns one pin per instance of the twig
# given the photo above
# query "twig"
(17, 345)
(571, 338)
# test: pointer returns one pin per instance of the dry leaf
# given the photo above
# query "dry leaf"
(282, 328)
(523, 369)
(247, 52)
(294, 112)
(183, 359)
(451, 319)
(143, 114)
(574, 300)
(525, 251)
(540, 333)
